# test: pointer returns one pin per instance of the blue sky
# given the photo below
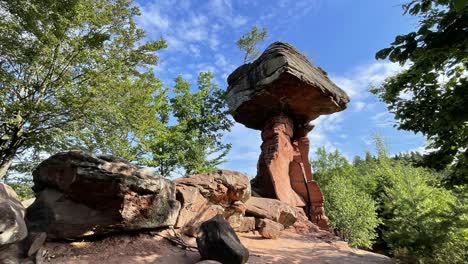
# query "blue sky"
(340, 36)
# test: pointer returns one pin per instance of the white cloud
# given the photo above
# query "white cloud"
(151, 18)
(286, 10)
(328, 123)
(220, 60)
(223, 9)
(195, 50)
(358, 106)
(383, 119)
(357, 82)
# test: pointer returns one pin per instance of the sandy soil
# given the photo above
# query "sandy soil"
(144, 248)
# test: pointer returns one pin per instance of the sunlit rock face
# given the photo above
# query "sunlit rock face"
(280, 93)
(80, 194)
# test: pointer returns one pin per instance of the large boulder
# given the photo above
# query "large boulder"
(217, 240)
(282, 80)
(80, 194)
(271, 209)
(12, 225)
(205, 195)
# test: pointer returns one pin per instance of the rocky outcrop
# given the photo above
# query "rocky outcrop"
(217, 240)
(12, 225)
(282, 80)
(280, 93)
(80, 194)
(203, 196)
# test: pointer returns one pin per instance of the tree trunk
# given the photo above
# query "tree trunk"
(5, 164)
(9, 148)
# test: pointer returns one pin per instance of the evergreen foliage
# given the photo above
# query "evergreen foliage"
(395, 205)
(249, 41)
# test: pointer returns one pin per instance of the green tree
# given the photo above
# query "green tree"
(351, 211)
(249, 41)
(74, 73)
(431, 95)
(194, 141)
(423, 223)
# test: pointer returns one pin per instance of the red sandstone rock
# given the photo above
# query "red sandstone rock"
(271, 209)
(269, 229)
(206, 195)
(247, 225)
(280, 93)
(272, 180)
(195, 209)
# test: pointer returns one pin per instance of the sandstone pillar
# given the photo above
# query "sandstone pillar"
(280, 93)
(302, 182)
(272, 179)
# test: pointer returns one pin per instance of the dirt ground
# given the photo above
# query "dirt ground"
(144, 248)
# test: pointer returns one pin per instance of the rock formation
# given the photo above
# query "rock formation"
(80, 194)
(12, 225)
(206, 195)
(279, 94)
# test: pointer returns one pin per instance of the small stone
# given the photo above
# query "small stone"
(247, 225)
(37, 240)
(269, 229)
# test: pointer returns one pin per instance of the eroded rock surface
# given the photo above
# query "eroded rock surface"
(269, 229)
(282, 80)
(80, 194)
(271, 209)
(12, 225)
(206, 195)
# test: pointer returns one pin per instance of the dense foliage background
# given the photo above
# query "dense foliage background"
(391, 205)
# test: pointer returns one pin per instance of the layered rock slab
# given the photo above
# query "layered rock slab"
(282, 80)
(271, 209)
(80, 194)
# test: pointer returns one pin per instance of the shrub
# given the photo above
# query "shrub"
(351, 211)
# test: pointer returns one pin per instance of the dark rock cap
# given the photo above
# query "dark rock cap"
(282, 81)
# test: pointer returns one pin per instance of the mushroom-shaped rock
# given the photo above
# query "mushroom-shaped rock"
(282, 80)
(280, 93)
